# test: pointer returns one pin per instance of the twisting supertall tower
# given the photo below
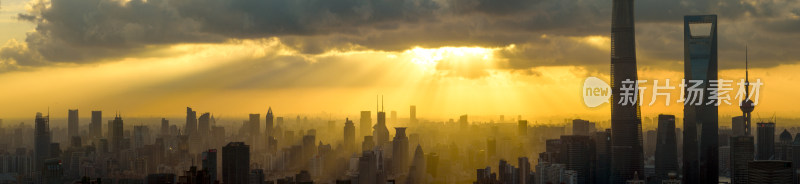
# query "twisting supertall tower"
(626, 124)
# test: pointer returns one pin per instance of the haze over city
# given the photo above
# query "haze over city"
(399, 91)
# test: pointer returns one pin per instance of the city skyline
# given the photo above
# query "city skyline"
(399, 91)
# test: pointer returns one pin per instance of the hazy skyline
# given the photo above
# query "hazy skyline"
(447, 57)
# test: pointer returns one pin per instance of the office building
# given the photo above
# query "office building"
(765, 141)
(412, 118)
(626, 124)
(72, 123)
(700, 136)
(366, 123)
(96, 126)
(210, 163)
(349, 136)
(235, 163)
(580, 127)
(204, 125)
(400, 151)
(269, 123)
(579, 156)
(191, 122)
(42, 141)
(666, 153)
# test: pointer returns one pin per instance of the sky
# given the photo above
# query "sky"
(151, 58)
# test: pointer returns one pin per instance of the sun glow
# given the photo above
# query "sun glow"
(429, 58)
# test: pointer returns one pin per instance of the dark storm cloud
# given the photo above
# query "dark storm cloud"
(88, 30)
(82, 31)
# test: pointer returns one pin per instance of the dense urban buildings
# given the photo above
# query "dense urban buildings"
(694, 145)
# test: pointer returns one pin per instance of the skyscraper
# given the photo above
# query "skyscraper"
(191, 122)
(742, 153)
(602, 141)
(416, 173)
(666, 148)
(116, 137)
(580, 127)
(412, 118)
(380, 131)
(72, 123)
(164, 126)
(210, 163)
(522, 128)
(400, 151)
(580, 155)
(393, 117)
(269, 122)
(366, 123)
(626, 124)
(349, 136)
(235, 163)
(96, 128)
(700, 136)
(254, 124)
(742, 149)
(204, 125)
(41, 140)
(784, 146)
(795, 157)
(766, 141)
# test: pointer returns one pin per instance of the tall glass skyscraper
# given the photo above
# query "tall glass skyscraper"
(626, 123)
(700, 136)
(666, 148)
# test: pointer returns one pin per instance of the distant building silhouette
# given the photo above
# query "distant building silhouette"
(400, 151)
(349, 136)
(117, 136)
(380, 131)
(269, 123)
(164, 127)
(766, 141)
(204, 125)
(580, 127)
(412, 114)
(72, 123)
(784, 146)
(366, 123)
(42, 140)
(96, 126)
(795, 157)
(191, 122)
(522, 128)
(666, 148)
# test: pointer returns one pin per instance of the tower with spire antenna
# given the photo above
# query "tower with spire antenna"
(742, 148)
(380, 131)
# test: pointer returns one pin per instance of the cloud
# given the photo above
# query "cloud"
(85, 31)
